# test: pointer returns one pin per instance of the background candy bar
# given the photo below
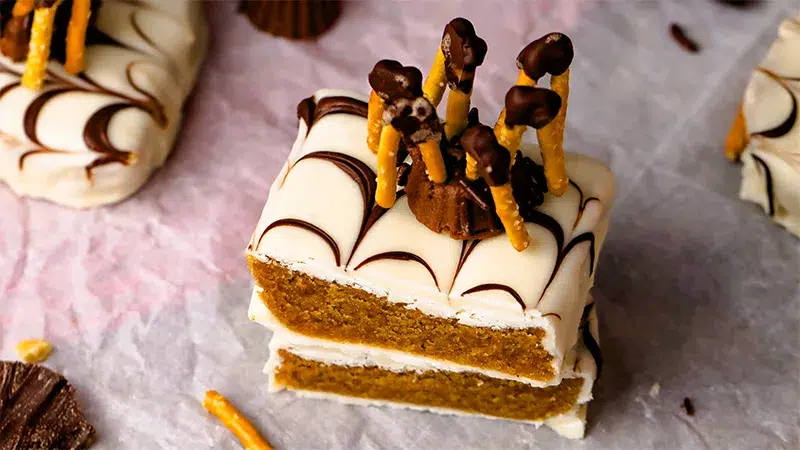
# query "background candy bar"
(766, 133)
(88, 130)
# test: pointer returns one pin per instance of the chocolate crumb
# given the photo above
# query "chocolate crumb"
(687, 406)
(741, 4)
(402, 173)
(679, 36)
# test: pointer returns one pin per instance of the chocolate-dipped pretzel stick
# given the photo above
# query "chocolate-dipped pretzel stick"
(388, 79)
(551, 54)
(494, 164)
(525, 106)
(463, 52)
(416, 121)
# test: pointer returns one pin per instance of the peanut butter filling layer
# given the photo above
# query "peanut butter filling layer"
(469, 392)
(327, 310)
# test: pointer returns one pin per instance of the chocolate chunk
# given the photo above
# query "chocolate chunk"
(403, 170)
(679, 35)
(45, 3)
(493, 159)
(529, 185)
(391, 80)
(14, 43)
(415, 118)
(472, 117)
(38, 409)
(551, 54)
(531, 106)
(463, 52)
(687, 406)
(742, 4)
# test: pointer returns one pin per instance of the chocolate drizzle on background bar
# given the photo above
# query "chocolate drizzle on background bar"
(38, 409)
(768, 182)
(95, 133)
(588, 338)
(787, 125)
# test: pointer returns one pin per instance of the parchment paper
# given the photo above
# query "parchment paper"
(698, 291)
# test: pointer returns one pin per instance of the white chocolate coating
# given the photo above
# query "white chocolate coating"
(771, 163)
(319, 192)
(151, 61)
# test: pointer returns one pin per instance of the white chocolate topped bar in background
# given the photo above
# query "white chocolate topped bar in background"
(95, 137)
(766, 133)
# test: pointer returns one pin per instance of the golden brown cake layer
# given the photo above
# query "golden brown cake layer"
(327, 310)
(464, 391)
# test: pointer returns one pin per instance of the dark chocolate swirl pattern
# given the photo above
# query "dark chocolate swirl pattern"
(311, 111)
(95, 133)
(400, 256)
(552, 225)
(497, 287)
(589, 340)
(787, 125)
(768, 181)
(297, 223)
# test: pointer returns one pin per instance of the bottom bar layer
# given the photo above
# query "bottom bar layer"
(432, 390)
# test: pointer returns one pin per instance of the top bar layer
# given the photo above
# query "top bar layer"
(320, 219)
(94, 139)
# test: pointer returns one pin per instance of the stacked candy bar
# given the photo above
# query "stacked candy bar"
(766, 134)
(440, 265)
(91, 93)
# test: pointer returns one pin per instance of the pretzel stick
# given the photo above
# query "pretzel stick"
(511, 137)
(434, 162)
(508, 212)
(551, 139)
(433, 90)
(737, 138)
(39, 47)
(387, 167)
(374, 121)
(456, 114)
(471, 170)
(235, 421)
(22, 8)
(76, 36)
(524, 80)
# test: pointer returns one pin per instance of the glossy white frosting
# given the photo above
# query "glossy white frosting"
(771, 95)
(164, 43)
(570, 424)
(319, 192)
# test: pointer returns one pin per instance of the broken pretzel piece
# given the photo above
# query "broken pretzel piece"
(235, 421)
(34, 351)
(738, 138)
